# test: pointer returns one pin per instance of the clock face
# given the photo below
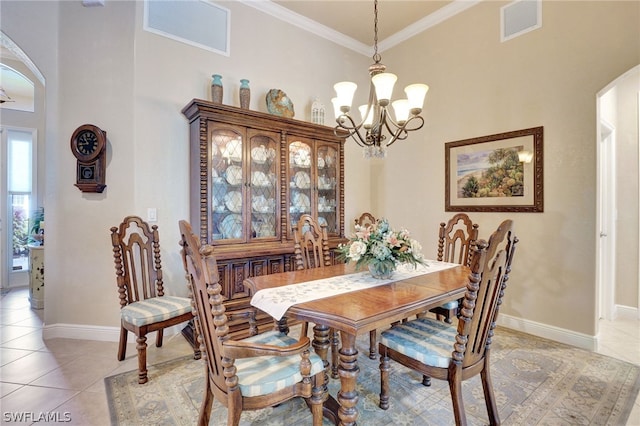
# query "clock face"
(87, 142)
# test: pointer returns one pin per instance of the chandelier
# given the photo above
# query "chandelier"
(376, 117)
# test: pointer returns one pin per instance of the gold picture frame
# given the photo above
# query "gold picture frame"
(495, 173)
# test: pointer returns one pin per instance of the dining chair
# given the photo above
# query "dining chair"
(421, 344)
(455, 238)
(366, 219)
(144, 307)
(311, 250)
(252, 373)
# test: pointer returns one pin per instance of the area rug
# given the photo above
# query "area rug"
(536, 382)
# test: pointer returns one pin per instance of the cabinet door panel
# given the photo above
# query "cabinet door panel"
(264, 194)
(239, 271)
(227, 189)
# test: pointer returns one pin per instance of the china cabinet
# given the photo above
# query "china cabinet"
(252, 175)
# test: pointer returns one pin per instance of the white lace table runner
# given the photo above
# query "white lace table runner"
(275, 301)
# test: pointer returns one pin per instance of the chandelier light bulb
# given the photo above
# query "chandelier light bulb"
(344, 92)
(415, 96)
(384, 83)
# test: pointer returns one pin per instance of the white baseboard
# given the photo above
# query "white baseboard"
(627, 312)
(561, 335)
(92, 332)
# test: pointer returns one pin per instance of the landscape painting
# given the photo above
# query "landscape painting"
(501, 172)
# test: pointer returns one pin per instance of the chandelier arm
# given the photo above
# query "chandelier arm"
(353, 129)
(403, 132)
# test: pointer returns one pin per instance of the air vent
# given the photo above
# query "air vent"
(520, 17)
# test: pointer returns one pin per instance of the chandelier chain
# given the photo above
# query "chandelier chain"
(376, 55)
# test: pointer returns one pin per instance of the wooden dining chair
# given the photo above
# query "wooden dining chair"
(455, 239)
(420, 344)
(366, 219)
(144, 307)
(311, 250)
(253, 373)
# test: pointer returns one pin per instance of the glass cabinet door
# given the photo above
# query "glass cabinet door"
(327, 176)
(226, 185)
(264, 185)
(300, 183)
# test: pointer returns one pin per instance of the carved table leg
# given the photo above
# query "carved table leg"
(348, 371)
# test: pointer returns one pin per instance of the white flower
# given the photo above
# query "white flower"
(356, 250)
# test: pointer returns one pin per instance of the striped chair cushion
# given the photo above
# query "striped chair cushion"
(450, 305)
(266, 374)
(426, 340)
(155, 309)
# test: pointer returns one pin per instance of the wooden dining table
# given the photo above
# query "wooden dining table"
(359, 312)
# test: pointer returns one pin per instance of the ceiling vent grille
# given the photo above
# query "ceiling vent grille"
(520, 17)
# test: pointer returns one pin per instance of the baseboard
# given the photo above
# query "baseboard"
(92, 332)
(626, 312)
(561, 335)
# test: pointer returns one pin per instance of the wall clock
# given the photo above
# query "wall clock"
(89, 146)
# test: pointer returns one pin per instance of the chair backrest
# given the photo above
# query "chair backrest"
(311, 248)
(490, 269)
(202, 276)
(366, 219)
(455, 239)
(136, 253)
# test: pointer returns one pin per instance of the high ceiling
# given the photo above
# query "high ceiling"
(354, 18)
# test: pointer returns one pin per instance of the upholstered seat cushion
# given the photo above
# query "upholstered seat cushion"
(155, 309)
(426, 340)
(267, 374)
(450, 305)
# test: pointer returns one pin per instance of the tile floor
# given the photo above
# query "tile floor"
(65, 376)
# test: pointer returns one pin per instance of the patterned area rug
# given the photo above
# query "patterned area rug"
(536, 382)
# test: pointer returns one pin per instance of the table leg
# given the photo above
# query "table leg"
(321, 343)
(348, 371)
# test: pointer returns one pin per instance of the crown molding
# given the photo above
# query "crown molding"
(286, 15)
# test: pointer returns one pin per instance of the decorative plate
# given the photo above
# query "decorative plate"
(259, 179)
(278, 103)
(259, 154)
(302, 180)
(233, 150)
(320, 163)
(303, 203)
(322, 221)
(231, 226)
(233, 201)
(260, 204)
(234, 175)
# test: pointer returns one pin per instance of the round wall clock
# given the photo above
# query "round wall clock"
(88, 145)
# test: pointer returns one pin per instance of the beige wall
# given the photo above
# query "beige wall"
(479, 86)
(133, 85)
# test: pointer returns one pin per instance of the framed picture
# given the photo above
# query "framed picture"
(495, 173)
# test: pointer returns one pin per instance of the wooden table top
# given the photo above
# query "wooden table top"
(364, 310)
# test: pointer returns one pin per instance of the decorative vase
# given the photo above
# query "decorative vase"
(216, 89)
(380, 271)
(245, 94)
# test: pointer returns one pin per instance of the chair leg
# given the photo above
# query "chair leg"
(122, 347)
(372, 344)
(385, 366)
(426, 380)
(159, 338)
(207, 403)
(335, 342)
(455, 386)
(489, 397)
(142, 359)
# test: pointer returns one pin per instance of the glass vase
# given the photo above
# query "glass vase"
(380, 271)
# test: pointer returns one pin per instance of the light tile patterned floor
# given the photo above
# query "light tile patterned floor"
(64, 377)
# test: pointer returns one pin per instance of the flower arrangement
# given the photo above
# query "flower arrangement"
(381, 248)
